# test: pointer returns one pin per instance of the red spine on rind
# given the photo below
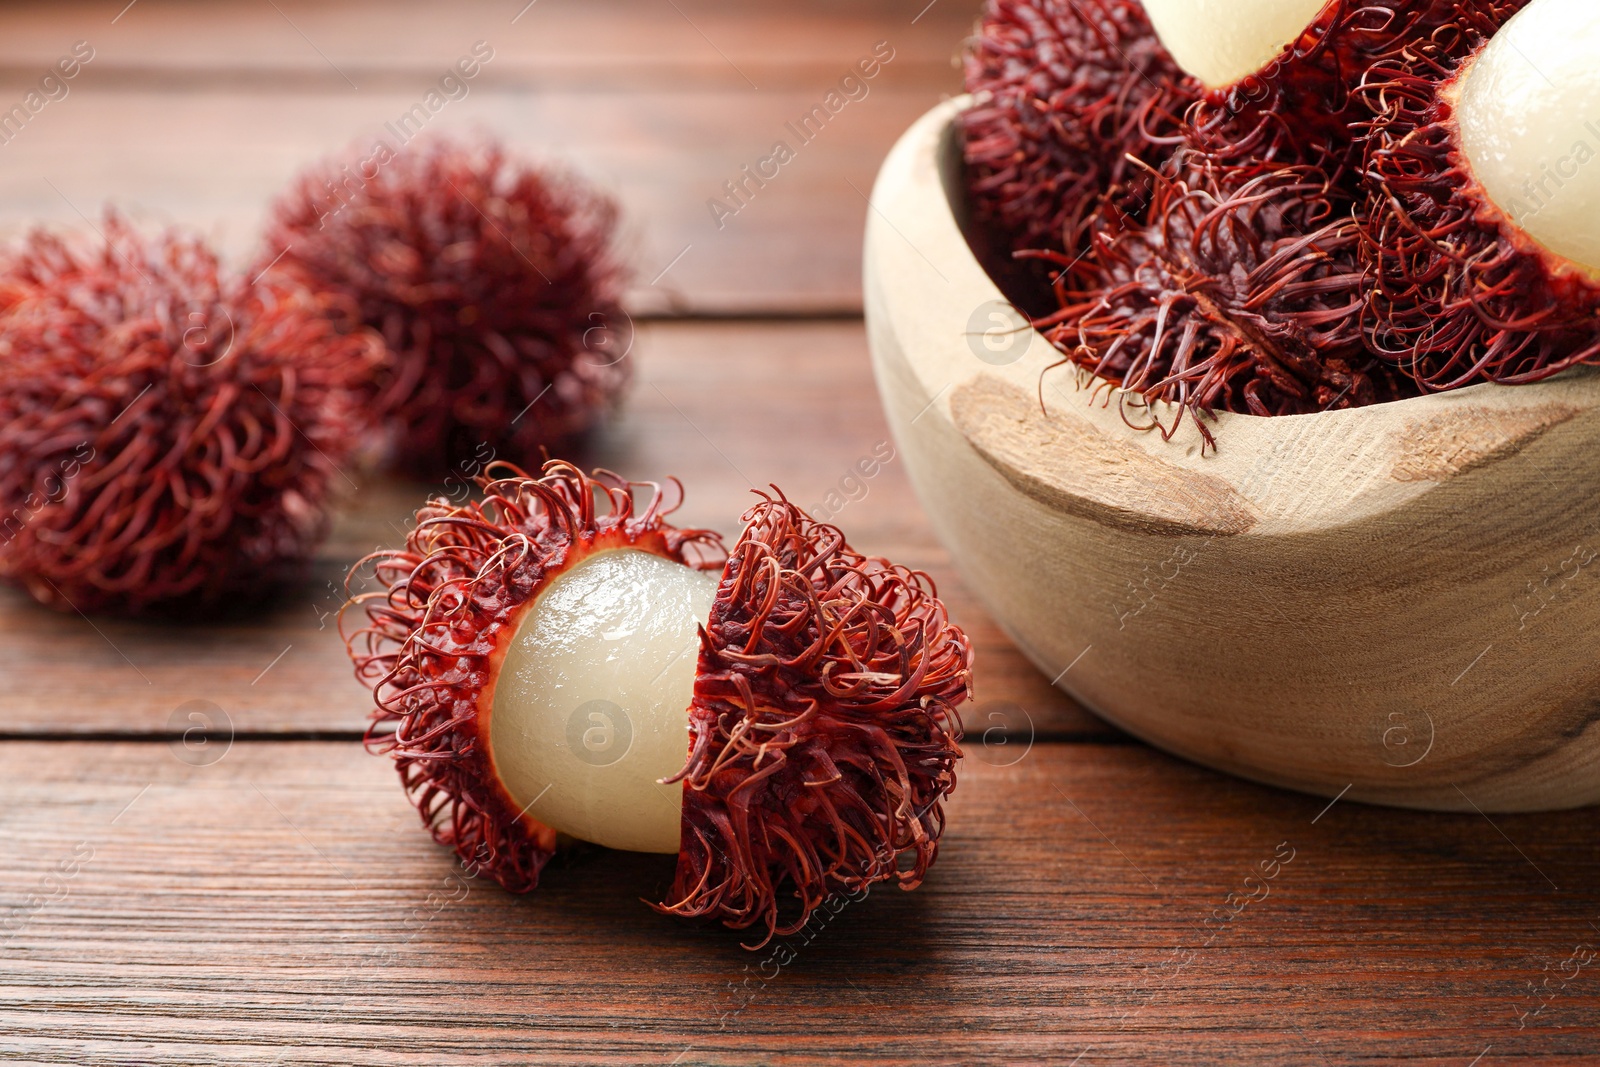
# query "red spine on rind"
(824, 730)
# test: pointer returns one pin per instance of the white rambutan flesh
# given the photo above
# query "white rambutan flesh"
(1529, 117)
(1221, 42)
(591, 709)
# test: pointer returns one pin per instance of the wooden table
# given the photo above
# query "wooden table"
(270, 898)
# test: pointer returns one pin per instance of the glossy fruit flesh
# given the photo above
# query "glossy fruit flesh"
(1529, 117)
(1223, 41)
(591, 706)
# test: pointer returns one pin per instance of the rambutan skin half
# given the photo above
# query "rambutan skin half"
(170, 439)
(1460, 293)
(1245, 293)
(824, 730)
(1066, 91)
(493, 283)
(429, 644)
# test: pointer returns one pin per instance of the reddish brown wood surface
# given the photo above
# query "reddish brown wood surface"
(199, 113)
(273, 901)
(282, 902)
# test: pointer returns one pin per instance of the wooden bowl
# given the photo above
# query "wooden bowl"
(1397, 601)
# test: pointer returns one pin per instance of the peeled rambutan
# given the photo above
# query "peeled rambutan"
(1068, 94)
(1279, 75)
(169, 438)
(493, 283)
(559, 660)
(1483, 225)
(1244, 293)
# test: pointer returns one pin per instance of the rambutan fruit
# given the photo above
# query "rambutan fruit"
(493, 283)
(169, 437)
(1069, 93)
(1483, 227)
(1279, 75)
(1243, 284)
(1244, 293)
(556, 659)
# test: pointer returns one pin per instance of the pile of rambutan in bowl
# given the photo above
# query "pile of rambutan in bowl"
(1240, 352)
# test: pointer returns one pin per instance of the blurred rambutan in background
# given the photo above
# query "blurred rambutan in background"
(493, 284)
(170, 437)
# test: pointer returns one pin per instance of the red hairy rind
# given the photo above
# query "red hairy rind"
(823, 732)
(1301, 107)
(1461, 294)
(493, 283)
(435, 637)
(1183, 269)
(1067, 90)
(1245, 294)
(169, 437)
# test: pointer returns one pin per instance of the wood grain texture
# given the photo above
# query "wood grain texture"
(199, 114)
(725, 407)
(620, 44)
(282, 902)
(1396, 600)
